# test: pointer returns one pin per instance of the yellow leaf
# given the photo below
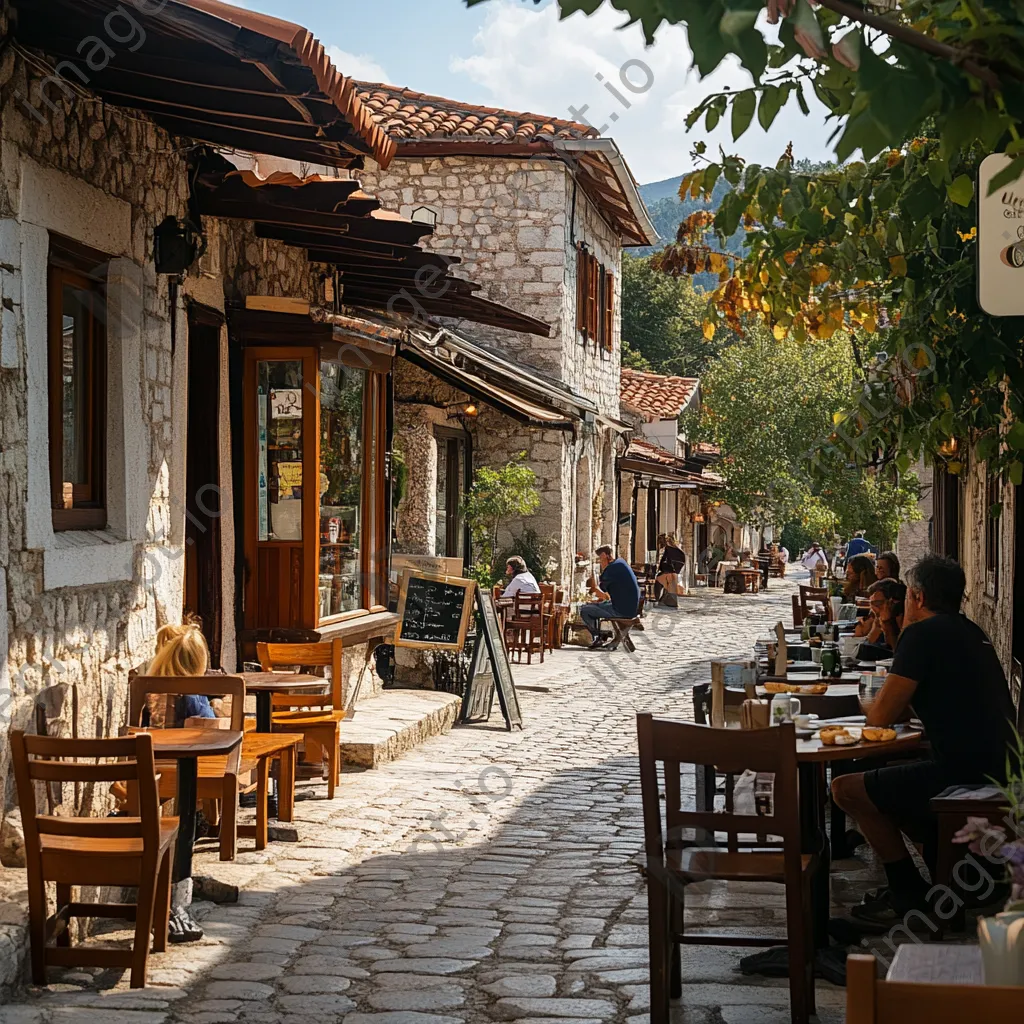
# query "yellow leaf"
(898, 265)
(820, 274)
(764, 276)
(870, 325)
(709, 330)
(717, 263)
(779, 331)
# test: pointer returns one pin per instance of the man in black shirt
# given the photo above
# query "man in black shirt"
(946, 668)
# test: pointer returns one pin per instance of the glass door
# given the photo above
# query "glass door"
(281, 487)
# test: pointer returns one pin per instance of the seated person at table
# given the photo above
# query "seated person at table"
(860, 574)
(522, 581)
(887, 566)
(945, 666)
(881, 629)
(619, 593)
(672, 564)
(182, 651)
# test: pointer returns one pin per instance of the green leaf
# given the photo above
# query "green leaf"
(1016, 473)
(961, 191)
(802, 100)
(771, 102)
(1015, 436)
(742, 112)
(1011, 172)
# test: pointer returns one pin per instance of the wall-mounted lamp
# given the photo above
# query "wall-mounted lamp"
(463, 411)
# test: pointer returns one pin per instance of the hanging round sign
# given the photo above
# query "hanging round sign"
(1000, 241)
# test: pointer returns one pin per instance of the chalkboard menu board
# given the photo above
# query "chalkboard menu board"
(490, 671)
(434, 611)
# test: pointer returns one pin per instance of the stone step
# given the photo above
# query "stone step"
(386, 727)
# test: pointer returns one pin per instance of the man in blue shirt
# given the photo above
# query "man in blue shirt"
(619, 592)
(857, 546)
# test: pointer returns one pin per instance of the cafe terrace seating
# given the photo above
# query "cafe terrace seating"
(869, 1000)
(81, 851)
(317, 716)
(674, 862)
(222, 779)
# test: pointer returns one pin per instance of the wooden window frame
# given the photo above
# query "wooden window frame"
(993, 532)
(456, 529)
(608, 335)
(582, 289)
(79, 270)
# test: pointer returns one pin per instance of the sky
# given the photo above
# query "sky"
(519, 56)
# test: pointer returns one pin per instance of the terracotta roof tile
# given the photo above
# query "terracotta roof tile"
(705, 448)
(656, 396)
(643, 450)
(405, 115)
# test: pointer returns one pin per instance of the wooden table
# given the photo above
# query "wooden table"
(265, 684)
(937, 964)
(812, 756)
(186, 746)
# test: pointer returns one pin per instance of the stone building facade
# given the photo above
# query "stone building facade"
(83, 607)
(515, 216)
(80, 609)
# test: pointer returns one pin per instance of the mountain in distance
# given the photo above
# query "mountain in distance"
(668, 211)
(667, 189)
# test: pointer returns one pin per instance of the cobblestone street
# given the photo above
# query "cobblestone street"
(485, 876)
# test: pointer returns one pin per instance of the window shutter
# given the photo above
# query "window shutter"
(593, 298)
(581, 290)
(609, 310)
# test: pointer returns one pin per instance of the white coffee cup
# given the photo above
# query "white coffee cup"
(784, 708)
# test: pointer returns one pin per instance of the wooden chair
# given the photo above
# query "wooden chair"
(220, 778)
(526, 627)
(81, 851)
(869, 1000)
(952, 812)
(673, 861)
(547, 592)
(810, 596)
(317, 716)
(798, 611)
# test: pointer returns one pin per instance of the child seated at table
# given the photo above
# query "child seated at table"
(181, 651)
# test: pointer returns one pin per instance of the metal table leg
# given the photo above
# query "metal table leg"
(183, 926)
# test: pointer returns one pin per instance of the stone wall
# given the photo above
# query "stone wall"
(915, 539)
(72, 646)
(510, 222)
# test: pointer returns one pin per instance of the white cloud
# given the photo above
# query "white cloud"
(357, 65)
(529, 60)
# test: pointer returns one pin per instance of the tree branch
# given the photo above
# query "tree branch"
(910, 36)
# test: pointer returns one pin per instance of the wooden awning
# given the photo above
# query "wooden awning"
(377, 253)
(208, 71)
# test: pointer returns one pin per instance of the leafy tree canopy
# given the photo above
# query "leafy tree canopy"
(662, 321)
(770, 403)
(883, 69)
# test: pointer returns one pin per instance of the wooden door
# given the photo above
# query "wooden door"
(282, 487)
(203, 597)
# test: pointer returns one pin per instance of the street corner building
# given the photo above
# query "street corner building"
(205, 309)
(538, 210)
(665, 484)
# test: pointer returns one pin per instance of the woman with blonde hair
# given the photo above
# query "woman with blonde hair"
(182, 651)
